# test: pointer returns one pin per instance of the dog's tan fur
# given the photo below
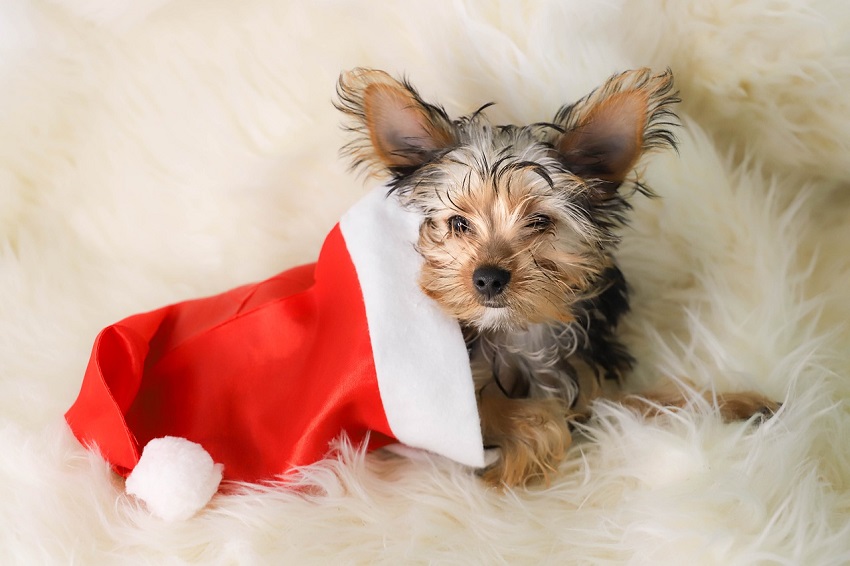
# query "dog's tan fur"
(517, 238)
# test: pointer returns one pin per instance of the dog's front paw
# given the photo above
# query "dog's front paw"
(742, 406)
(532, 437)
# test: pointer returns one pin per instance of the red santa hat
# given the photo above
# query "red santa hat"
(265, 376)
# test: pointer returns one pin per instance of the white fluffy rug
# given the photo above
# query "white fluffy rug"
(157, 150)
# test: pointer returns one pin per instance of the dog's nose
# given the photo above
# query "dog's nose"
(490, 280)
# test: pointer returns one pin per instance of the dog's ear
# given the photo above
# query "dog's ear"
(606, 132)
(397, 129)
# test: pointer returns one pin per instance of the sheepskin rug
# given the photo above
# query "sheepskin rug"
(157, 150)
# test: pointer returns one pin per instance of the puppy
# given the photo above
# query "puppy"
(520, 225)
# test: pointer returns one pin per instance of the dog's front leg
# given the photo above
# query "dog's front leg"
(531, 434)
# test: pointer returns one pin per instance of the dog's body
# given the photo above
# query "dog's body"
(518, 238)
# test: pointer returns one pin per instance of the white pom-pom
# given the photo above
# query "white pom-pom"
(175, 478)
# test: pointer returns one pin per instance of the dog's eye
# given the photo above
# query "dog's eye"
(539, 222)
(459, 225)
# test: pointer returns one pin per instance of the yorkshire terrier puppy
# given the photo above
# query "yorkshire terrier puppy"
(518, 237)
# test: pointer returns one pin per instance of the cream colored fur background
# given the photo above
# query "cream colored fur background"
(157, 150)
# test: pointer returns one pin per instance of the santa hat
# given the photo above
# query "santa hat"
(265, 376)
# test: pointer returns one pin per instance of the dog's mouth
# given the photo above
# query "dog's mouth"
(494, 303)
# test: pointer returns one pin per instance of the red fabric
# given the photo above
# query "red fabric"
(263, 376)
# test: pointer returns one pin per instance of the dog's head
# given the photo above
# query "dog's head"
(518, 220)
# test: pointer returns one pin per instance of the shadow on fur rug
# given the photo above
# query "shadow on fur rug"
(159, 150)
